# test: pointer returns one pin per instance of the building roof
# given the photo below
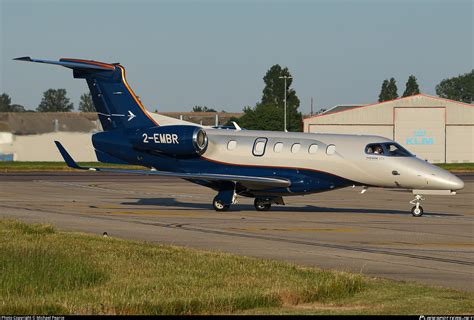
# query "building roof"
(342, 107)
(25, 123)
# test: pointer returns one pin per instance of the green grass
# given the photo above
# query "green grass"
(457, 166)
(15, 166)
(43, 271)
(26, 166)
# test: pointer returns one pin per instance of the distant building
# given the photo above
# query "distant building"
(435, 129)
(341, 107)
(29, 136)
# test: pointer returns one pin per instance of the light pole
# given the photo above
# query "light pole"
(284, 107)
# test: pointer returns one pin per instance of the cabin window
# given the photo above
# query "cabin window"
(259, 147)
(313, 149)
(278, 147)
(231, 145)
(330, 150)
(295, 147)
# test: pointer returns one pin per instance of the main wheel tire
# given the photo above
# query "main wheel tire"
(262, 204)
(417, 212)
(219, 206)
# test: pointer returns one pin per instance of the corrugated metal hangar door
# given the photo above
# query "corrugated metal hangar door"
(459, 143)
(422, 131)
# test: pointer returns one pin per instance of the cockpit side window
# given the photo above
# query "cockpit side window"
(374, 148)
(389, 149)
(396, 150)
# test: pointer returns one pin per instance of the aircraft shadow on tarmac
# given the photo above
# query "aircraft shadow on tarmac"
(179, 205)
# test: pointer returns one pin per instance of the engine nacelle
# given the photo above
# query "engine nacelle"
(182, 140)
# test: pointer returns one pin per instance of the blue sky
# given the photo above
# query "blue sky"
(184, 53)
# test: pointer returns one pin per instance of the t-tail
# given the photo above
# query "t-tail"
(116, 104)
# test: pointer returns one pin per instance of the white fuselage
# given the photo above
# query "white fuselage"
(337, 154)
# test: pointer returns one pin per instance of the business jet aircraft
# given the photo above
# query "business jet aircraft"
(260, 164)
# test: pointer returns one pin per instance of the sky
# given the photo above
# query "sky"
(179, 54)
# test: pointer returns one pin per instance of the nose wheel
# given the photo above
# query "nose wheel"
(417, 210)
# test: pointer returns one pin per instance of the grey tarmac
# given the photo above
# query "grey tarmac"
(372, 233)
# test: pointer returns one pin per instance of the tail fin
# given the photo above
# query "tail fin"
(116, 104)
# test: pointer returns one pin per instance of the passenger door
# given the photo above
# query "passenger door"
(259, 147)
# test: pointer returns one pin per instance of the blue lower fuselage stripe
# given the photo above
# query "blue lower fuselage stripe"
(302, 180)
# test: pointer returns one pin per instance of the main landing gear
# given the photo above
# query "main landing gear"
(417, 210)
(225, 198)
(220, 205)
(262, 204)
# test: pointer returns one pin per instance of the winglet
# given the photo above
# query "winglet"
(67, 157)
(236, 126)
(23, 59)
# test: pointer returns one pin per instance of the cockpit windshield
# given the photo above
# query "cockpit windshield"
(389, 149)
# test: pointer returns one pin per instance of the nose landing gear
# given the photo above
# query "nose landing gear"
(417, 210)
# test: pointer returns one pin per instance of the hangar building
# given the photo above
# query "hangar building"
(29, 136)
(435, 129)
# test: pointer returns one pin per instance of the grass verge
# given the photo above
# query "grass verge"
(25, 166)
(457, 167)
(43, 271)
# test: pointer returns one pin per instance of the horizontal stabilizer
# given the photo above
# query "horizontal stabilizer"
(67, 158)
(246, 180)
(73, 63)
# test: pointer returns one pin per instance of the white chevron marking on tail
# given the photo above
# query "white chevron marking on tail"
(130, 115)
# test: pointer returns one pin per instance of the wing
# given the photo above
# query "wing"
(254, 182)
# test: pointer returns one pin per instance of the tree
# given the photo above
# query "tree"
(460, 88)
(17, 108)
(274, 91)
(266, 117)
(86, 104)
(55, 100)
(268, 113)
(203, 109)
(6, 106)
(411, 87)
(5, 102)
(392, 89)
(383, 96)
(389, 90)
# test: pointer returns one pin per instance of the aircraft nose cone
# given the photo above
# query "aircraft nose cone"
(444, 180)
(451, 182)
(456, 183)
